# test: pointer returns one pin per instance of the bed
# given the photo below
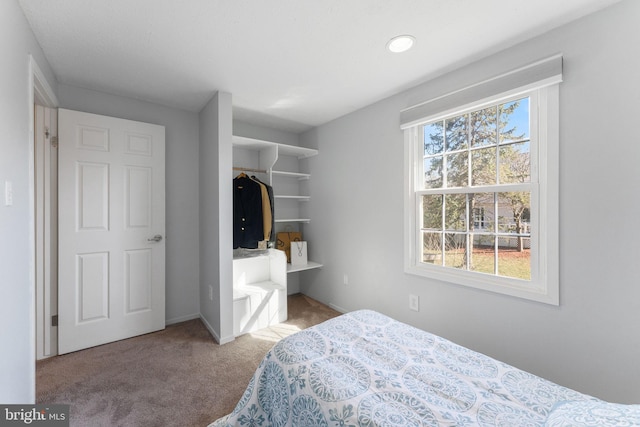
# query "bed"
(366, 369)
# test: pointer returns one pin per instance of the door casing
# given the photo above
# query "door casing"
(41, 93)
(46, 230)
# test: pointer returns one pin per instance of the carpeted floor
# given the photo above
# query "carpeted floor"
(176, 377)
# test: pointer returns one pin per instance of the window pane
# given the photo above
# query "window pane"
(483, 127)
(432, 248)
(483, 208)
(513, 262)
(433, 172)
(514, 120)
(432, 211)
(433, 138)
(455, 212)
(515, 164)
(455, 250)
(483, 166)
(456, 133)
(514, 212)
(483, 254)
(457, 170)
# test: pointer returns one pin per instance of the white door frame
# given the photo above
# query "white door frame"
(39, 90)
(46, 239)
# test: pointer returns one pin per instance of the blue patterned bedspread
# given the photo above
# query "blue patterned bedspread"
(366, 369)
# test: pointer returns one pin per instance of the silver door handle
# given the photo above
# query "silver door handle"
(155, 238)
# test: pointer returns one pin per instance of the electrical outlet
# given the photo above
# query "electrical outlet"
(345, 280)
(414, 302)
(210, 293)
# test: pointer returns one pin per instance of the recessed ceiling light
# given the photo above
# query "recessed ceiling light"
(401, 43)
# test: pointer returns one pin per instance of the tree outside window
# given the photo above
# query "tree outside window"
(476, 203)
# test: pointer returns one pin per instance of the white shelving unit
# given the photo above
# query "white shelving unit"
(259, 291)
(295, 268)
(298, 198)
(279, 164)
(300, 176)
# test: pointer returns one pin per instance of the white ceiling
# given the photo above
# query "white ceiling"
(289, 64)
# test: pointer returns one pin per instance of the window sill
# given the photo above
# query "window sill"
(530, 290)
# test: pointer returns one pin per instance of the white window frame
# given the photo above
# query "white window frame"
(544, 122)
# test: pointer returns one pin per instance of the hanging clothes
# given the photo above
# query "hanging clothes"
(268, 213)
(248, 217)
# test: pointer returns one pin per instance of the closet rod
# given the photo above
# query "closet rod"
(249, 170)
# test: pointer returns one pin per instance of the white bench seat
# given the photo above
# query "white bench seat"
(259, 303)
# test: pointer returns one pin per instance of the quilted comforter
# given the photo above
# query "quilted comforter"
(366, 369)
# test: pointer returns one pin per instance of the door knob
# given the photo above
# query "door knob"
(155, 238)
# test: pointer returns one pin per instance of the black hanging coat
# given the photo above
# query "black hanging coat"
(248, 227)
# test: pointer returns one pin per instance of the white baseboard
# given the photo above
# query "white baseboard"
(214, 334)
(338, 308)
(182, 319)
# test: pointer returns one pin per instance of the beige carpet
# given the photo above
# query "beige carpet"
(176, 377)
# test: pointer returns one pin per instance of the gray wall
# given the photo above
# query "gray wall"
(249, 130)
(17, 321)
(591, 341)
(182, 214)
(216, 242)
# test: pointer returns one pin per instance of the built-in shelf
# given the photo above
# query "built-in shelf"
(308, 266)
(300, 176)
(299, 152)
(298, 198)
(286, 150)
(269, 153)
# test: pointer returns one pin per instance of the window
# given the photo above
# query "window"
(481, 206)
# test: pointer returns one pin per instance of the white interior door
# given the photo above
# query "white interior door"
(111, 205)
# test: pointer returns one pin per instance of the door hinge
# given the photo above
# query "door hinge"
(54, 320)
(54, 139)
